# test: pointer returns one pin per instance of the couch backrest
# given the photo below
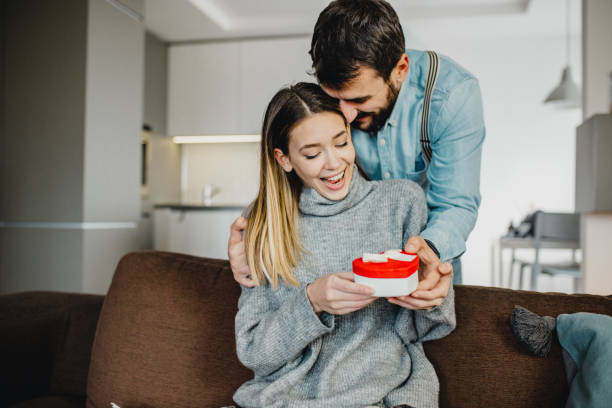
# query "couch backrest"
(45, 346)
(481, 364)
(165, 338)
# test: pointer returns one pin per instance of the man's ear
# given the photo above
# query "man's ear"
(283, 160)
(401, 69)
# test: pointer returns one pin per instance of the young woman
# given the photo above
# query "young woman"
(312, 336)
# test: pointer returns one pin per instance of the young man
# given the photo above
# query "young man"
(407, 122)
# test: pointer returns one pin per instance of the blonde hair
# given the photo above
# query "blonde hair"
(271, 239)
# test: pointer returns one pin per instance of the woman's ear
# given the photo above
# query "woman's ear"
(283, 160)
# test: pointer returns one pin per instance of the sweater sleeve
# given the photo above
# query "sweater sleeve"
(268, 336)
(425, 325)
(415, 216)
(437, 322)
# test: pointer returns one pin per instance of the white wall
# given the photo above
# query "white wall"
(597, 56)
(113, 121)
(113, 118)
(71, 167)
(528, 156)
(233, 169)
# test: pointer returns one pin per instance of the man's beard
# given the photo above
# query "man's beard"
(379, 119)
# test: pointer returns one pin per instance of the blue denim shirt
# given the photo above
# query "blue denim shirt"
(456, 131)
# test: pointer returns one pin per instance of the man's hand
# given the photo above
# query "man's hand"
(435, 278)
(237, 254)
(337, 293)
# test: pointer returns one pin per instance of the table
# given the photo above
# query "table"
(514, 243)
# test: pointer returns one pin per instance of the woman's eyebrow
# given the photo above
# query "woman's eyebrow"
(309, 146)
(342, 132)
(337, 135)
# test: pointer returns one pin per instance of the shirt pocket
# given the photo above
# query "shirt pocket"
(419, 173)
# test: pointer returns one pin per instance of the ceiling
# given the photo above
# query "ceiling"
(196, 20)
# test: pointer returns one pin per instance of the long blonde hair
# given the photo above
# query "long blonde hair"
(272, 243)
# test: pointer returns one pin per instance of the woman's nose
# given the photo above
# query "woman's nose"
(333, 161)
(349, 112)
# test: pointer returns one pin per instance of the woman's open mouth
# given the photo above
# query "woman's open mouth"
(335, 182)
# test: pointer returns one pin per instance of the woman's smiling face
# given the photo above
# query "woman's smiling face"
(321, 153)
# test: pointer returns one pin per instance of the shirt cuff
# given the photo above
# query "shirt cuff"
(443, 243)
(433, 247)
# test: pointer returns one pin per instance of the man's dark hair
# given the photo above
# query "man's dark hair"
(354, 33)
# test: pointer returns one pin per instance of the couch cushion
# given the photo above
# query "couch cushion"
(481, 364)
(166, 334)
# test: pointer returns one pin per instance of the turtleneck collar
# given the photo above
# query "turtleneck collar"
(312, 203)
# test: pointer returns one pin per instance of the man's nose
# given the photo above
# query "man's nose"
(349, 112)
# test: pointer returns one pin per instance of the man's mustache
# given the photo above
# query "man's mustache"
(361, 114)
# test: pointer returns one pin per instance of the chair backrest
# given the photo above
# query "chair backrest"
(557, 226)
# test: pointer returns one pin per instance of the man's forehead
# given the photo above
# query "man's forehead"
(364, 84)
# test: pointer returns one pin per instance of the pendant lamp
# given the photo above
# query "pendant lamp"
(567, 94)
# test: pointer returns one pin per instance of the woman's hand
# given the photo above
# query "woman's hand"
(435, 278)
(237, 254)
(338, 294)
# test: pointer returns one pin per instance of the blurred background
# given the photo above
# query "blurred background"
(134, 124)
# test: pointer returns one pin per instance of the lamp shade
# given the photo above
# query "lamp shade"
(567, 93)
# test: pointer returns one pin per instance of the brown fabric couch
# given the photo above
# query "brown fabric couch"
(163, 337)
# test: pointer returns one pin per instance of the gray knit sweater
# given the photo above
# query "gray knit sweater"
(371, 356)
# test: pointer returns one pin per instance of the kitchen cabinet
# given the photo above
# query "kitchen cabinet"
(267, 66)
(224, 87)
(201, 231)
(203, 89)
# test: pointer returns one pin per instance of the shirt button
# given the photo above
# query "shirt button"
(387, 175)
(393, 122)
(382, 142)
